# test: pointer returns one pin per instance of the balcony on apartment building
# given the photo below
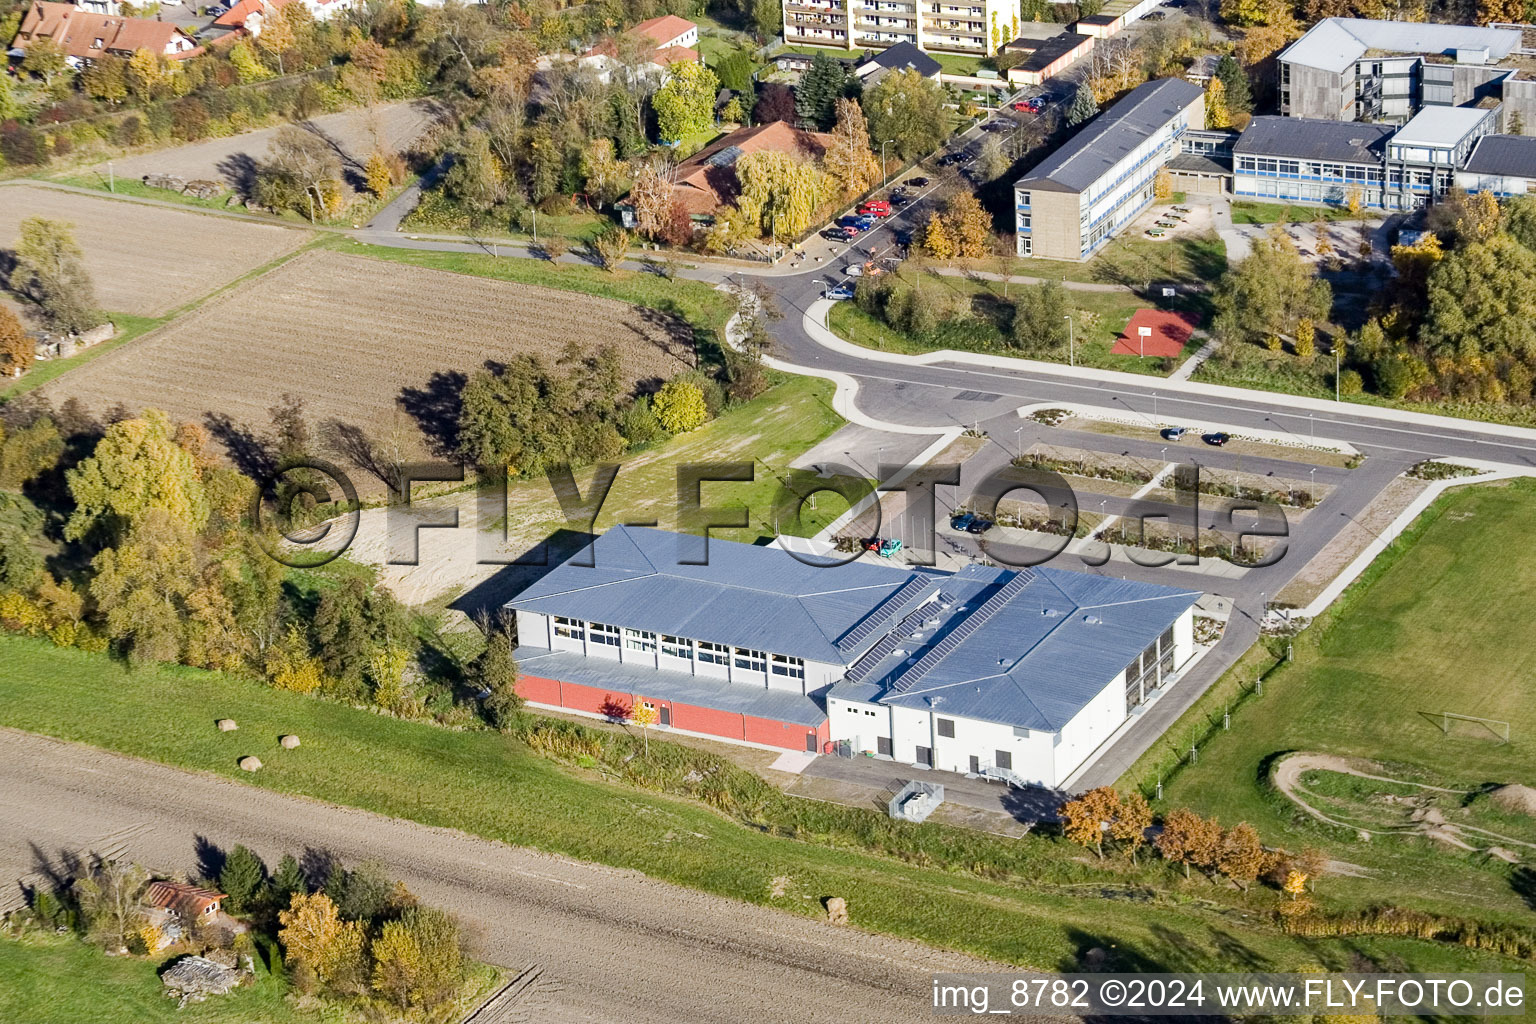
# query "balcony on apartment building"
(814, 8)
(956, 29)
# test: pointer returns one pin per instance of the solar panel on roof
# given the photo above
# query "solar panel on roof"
(882, 615)
(969, 625)
(726, 157)
(906, 628)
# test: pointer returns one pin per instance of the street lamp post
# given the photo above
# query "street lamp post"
(1335, 371)
(1019, 435)
(1071, 342)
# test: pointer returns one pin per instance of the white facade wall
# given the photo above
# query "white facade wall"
(636, 647)
(1090, 727)
(1499, 185)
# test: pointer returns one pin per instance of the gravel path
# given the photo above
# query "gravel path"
(611, 945)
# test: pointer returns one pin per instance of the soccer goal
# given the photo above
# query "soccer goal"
(1448, 720)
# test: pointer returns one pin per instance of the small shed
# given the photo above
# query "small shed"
(183, 898)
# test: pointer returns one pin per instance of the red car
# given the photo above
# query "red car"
(875, 208)
(1021, 105)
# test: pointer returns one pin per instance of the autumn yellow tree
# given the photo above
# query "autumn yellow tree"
(16, 349)
(1162, 184)
(1216, 113)
(277, 36)
(417, 960)
(315, 937)
(849, 160)
(1086, 819)
(377, 174)
(1188, 839)
(780, 192)
(937, 241)
(1132, 819)
(968, 225)
(1306, 338)
(643, 714)
(1240, 856)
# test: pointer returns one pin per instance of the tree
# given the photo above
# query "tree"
(141, 587)
(780, 192)
(651, 196)
(909, 110)
(1236, 91)
(644, 715)
(135, 468)
(775, 102)
(17, 350)
(968, 224)
(1520, 220)
(277, 36)
(1216, 113)
(363, 894)
(937, 241)
(1481, 301)
(243, 880)
(1240, 856)
(612, 247)
(495, 672)
(685, 104)
(1083, 107)
(1131, 822)
(605, 174)
(29, 452)
(1187, 839)
(314, 937)
(848, 159)
(476, 179)
(418, 960)
(1463, 218)
(109, 902)
(105, 78)
(353, 623)
(1306, 338)
(46, 59)
(1507, 11)
(377, 174)
(735, 70)
(50, 273)
(1268, 292)
(301, 169)
(817, 94)
(992, 162)
(679, 406)
(1085, 820)
(1040, 318)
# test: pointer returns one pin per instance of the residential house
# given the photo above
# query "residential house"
(706, 181)
(901, 57)
(668, 40)
(85, 37)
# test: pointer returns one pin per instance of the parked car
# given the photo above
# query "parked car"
(864, 223)
(1175, 433)
(950, 158)
(842, 232)
(1036, 104)
(840, 292)
(979, 525)
(876, 208)
(918, 182)
(994, 126)
(899, 199)
(1217, 439)
(889, 547)
(1155, 16)
(1020, 105)
(962, 522)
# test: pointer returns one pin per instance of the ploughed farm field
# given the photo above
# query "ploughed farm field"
(148, 260)
(377, 345)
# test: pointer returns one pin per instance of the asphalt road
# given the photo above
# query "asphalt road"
(613, 945)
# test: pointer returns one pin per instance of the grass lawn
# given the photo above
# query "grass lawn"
(801, 414)
(1247, 212)
(363, 207)
(1439, 623)
(1133, 260)
(1046, 911)
(51, 979)
(1098, 319)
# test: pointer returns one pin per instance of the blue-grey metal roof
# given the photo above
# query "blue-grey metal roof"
(1509, 155)
(1303, 138)
(1027, 648)
(1112, 135)
(1037, 660)
(746, 596)
(677, 687)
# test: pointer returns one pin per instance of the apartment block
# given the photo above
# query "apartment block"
(1076, 200)
(946, 26)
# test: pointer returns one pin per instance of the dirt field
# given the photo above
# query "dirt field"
(148, 260)
(377, 345)
(232, 160)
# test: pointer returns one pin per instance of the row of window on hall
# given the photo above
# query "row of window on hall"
(703, 651)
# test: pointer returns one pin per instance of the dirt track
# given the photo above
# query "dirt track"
(613, 945)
